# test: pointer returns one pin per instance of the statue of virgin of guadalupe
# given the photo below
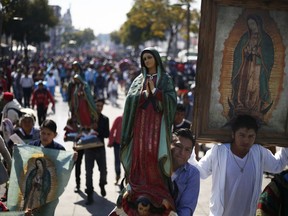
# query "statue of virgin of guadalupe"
(146, 137)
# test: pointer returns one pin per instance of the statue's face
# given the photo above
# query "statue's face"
(149, 62)
(143, 210)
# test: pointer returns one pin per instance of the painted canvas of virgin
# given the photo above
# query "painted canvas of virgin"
(242, 69)
(251, 74)
(38, 178)
(251, 70)
(38, 185)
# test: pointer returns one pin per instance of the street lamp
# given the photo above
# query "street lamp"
(188, 28)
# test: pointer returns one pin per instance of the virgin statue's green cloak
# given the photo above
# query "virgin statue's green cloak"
(168, 106)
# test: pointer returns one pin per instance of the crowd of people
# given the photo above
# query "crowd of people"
(152, 139)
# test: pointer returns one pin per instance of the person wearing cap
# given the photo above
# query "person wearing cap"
(26, 130)
(11, 108)
(41, 97)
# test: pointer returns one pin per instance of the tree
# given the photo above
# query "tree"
(27, 21)
(79, 38)
(87, 36)
(156, 20)
(115, 37)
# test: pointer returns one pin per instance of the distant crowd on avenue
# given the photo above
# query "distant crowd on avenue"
(152, 140)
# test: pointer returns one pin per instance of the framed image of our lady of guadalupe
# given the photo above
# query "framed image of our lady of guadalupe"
(242, 68)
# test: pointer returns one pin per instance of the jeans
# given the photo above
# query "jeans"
(27, 95)
(116, 147)
(78, 167)
(91, 155)
(41, 113)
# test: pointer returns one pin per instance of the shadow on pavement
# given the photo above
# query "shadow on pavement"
(100, 207)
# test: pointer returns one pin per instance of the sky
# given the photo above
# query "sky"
(103, 16)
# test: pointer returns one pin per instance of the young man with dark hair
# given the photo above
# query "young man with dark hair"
(97, 154)
(237, 169)
(179, 119)
(185, 177)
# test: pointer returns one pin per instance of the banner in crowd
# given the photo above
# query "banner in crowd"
(38, 177)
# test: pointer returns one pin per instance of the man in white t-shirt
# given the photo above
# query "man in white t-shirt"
(27, 84)
(237, 169)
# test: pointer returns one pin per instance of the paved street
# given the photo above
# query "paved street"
(73, 204)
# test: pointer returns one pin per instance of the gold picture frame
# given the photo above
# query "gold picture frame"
(242, 68)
